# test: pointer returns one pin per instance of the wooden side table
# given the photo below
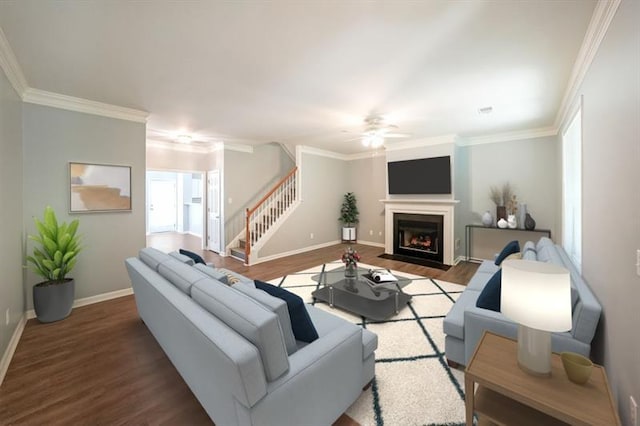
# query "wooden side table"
(506, 395)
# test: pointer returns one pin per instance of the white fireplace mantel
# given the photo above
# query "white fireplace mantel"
(444, 208)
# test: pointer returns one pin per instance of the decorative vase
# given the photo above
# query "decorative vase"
(529, 223)
(522, 214)
(487, 219)
(502, 224)
(351, 271)
(501, 212)
(511, 221)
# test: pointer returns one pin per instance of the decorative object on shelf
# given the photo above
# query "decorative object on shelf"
(511, 221)
(55, 257)
(522, 213)
(349, 217)
(487, 219)
(502, 224)
(504, 199)
(350, 258)
(577, 367)
(529, 223)
(536, 295)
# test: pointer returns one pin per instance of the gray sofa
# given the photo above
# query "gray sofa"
(465, 323)
(234, 347)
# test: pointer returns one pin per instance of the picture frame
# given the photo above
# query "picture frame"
(99, 188)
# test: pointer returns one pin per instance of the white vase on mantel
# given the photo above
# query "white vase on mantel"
(511, 221)
(502, 224)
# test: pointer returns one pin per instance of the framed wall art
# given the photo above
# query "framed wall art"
(99, 188)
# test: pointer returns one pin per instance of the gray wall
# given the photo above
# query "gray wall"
(247, 177)
(324, 183)
(529, 165)
(11, 243)
(368, 181)
(610, 200)
(52, 138)
(168, 159)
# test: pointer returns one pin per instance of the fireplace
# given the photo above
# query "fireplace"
(419, 236)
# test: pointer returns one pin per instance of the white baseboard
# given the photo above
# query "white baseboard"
(92, 299)
(13, 344)
(292, 252)
(371, 243)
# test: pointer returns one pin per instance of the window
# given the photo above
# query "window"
(572, 189)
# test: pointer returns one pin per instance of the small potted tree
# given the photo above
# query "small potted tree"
(53, 258)
(349, 217)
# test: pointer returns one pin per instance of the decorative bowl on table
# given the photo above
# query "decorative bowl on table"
(577, 367)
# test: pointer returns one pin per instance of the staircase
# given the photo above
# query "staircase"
(262, 219)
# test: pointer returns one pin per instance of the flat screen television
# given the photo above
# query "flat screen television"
(422, 176)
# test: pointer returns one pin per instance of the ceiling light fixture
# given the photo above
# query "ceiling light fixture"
(373, 138)
(184, 138)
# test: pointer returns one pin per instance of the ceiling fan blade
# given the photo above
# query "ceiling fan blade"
(397, 135)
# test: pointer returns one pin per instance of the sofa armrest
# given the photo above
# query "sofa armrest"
(331, 365)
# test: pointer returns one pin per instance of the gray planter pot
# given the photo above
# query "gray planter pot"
(53, 302)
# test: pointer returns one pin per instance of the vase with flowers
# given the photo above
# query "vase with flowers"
(350, 258)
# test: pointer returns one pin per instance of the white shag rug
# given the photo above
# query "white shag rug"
(413, 384)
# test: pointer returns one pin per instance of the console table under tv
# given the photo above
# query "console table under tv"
(490, 240)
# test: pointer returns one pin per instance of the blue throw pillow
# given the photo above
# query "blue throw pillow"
(490, 296)
(301, 324)
(196, 258)
(510, 248)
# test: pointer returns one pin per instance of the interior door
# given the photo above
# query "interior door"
(163, 212)
(214, 241)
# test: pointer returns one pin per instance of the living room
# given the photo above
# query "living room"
(42, 129)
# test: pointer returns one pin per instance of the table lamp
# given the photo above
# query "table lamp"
(537, 296)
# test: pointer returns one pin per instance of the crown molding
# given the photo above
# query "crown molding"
(366, 155)
(420, 143)
(238, 147)
(71, 103)
(304, 149)
(10, 66)
(181, 147)
(600, 20)
(509, 136)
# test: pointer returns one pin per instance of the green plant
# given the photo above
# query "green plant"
(349, 211)
(58, 249)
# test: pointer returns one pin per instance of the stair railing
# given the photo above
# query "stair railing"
(268, 209)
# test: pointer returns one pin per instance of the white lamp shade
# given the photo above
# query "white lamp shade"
(536, 294)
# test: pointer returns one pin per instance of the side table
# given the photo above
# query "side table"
(506, 395)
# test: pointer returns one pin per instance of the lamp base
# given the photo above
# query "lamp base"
(534, 351)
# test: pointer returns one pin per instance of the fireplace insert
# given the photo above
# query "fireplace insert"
(418, 235)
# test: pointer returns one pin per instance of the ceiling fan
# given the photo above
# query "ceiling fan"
(376, 131)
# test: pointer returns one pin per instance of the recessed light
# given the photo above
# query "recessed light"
(485, 110)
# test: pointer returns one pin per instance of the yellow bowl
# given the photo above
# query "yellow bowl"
(577, 367)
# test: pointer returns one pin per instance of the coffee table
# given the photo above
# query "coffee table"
(361, 295)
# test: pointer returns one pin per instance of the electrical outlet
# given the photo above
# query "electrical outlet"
(7, 317)
(370, 231)
(311, 235)
(633, 411)
(457, 243)
(638, 262)
(380, 233)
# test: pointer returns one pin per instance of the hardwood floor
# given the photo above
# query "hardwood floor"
(102, 366)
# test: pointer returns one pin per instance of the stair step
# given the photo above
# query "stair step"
(242, 243)
(237, 252)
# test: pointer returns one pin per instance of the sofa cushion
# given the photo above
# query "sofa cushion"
(489, 298)
(180, 274)
(301, 323)
(249, 319)
(182, 258)
(153, 257)
(275, 305)
(543, 242)
(510, 248)
(453, 323)
(212, 272)
(529, 245)
(194, 256)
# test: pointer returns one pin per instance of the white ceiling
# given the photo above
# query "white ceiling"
(306, 72)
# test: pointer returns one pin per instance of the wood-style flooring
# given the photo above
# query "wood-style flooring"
(102, 366)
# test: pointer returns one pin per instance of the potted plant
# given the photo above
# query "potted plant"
(53, 258)
(349, 217)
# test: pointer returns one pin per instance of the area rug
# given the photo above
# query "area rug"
(413, 383)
